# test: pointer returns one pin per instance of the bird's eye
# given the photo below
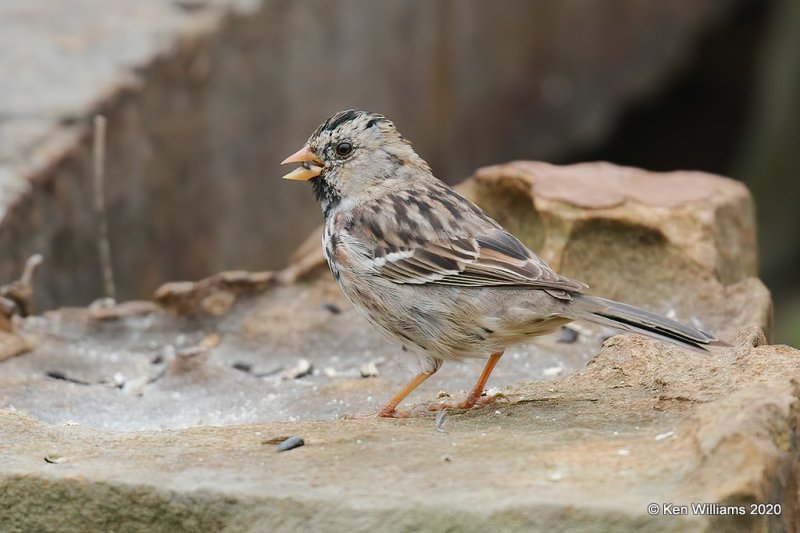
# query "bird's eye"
(343, 149)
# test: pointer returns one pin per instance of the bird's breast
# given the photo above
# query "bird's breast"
(340, 248)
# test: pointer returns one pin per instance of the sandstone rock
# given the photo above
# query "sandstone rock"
(15, 299)
(11, 345)
(85, 361)
(708, 220)
(641, 424)
(215, 295)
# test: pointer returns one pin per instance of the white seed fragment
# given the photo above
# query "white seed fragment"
(369, 370)
(55, 458)
(553, 371)
(662, 436)
(301, 369)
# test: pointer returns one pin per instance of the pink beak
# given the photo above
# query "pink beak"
(310, 167)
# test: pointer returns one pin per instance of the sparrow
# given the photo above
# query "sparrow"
(429, 269)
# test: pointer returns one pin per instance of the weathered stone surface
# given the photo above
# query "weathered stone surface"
(707, 219)
(212, 296)
(15, 300)
(204, 98)
(641, 424)
(131, 367)
(11, 345)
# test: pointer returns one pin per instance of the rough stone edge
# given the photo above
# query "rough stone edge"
(519, 176)
(72, 503)
(774, 414)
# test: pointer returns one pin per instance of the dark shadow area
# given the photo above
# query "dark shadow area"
(698, 120)
(703, 119)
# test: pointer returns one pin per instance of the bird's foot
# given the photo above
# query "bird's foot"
(469, 403)
(391, 412)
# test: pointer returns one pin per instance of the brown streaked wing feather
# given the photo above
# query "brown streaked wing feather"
(495, 258)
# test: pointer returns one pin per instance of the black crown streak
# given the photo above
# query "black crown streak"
(340, 118)
(326, 195)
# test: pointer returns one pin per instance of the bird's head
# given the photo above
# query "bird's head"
(353, 153)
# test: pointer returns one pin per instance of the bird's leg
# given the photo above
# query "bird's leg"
(389, 411)
(474, 397)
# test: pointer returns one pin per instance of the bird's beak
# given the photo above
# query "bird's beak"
(310, 165)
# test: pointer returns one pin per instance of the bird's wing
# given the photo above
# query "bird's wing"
(492, 258)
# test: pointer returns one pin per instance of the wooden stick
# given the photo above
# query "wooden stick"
(103, 244)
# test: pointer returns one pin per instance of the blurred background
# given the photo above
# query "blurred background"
(204, 98)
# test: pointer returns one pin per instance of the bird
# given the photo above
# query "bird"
(430, 269)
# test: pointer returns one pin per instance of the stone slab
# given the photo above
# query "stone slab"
(641, 424)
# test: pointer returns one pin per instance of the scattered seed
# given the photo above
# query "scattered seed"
(192, 351)
(57, 374)
(190, 5)
(242, 366)
(54, 458)
(552, 371)
(211, 340)
(301, 369)
(290, 443)
(568, 335)
(135, 386)
(332, 308)
(369, 370)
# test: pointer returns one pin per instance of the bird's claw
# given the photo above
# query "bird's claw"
(466, 404)
(393, 413)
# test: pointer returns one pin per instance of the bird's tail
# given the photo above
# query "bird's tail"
(629, 318)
